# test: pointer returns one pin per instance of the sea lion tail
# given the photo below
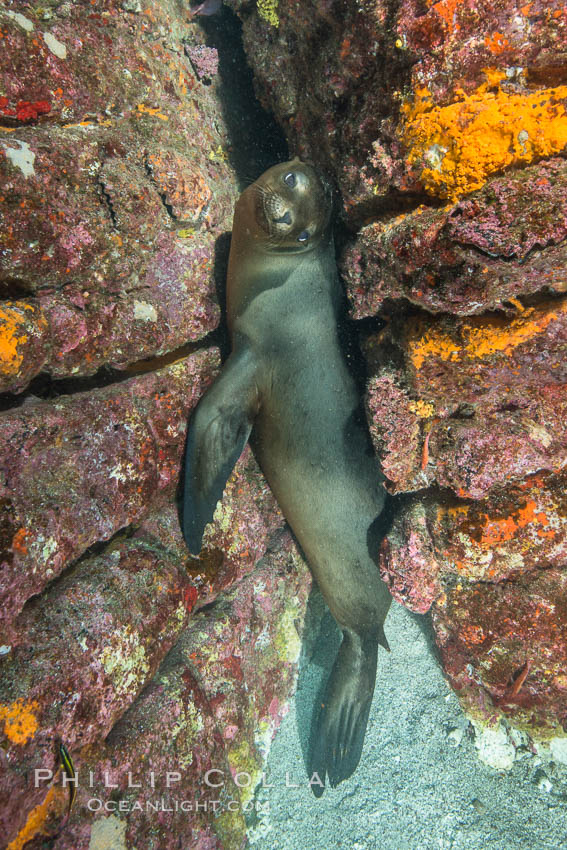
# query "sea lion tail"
(339, 727)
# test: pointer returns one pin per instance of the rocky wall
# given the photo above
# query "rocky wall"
(213, 706)
(112, 192)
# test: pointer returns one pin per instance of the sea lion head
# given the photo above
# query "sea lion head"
(291, 207)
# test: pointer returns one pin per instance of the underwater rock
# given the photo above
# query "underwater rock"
(505, 241)
(116, 187)
(504, 646)
(83, 656)
(479, 402)
(214, 705)
(75, 333)
(480, 407)
(444, 127)
(78, 469)
(109, 214)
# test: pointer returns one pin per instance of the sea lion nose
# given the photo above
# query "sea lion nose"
(285, 219)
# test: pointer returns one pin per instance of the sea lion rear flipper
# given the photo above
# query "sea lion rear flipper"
(218, 431)
(339, 729)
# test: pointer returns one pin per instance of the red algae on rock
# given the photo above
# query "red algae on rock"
(480, 402)
(115, 191)
(504, 241)
(125, 440)
(212, 706)
(512, 630)
(98, 191)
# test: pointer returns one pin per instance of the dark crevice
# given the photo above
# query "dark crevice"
(535, 299)
(373, 210)
(256, 141)
(14, 288)
(46, 388)
(402, 309)
(162, 195)
(538, 247)
(381, 209)
(450, 581)
(107, 201)
(151, 364)
(98, 548)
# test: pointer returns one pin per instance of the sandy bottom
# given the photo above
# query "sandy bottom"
(420, 784)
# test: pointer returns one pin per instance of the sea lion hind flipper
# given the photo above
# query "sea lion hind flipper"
(218, 432)
(382, 639)
(340, 727)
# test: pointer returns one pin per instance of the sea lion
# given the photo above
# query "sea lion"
(287, 378)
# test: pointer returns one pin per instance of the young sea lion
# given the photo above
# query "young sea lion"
(287, 378)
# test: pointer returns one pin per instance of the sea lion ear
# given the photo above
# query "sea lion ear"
(218, 432)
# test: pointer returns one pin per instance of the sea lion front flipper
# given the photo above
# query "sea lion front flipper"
(339, 730)
(218, 431)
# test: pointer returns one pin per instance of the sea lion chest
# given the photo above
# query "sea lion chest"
(290, 322)
(307, 436)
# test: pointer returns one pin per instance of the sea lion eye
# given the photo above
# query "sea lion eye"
(290, 179)
(303, 236)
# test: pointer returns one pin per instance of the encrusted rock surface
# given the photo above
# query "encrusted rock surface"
(83, 656)
(502, 242)
(112, 194)
(480, 406)
(77, 470)
(116, 186)
(213, 706)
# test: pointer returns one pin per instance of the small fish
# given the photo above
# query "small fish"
(520, 679)
(209, 7)
(67, 766)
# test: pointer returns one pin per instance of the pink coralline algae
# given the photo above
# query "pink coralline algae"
(125, 163)
(488, 662)
(126, 441)
(203, 688)
(482, 404)
(502, 242)
(116, 187)
(205, 60)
